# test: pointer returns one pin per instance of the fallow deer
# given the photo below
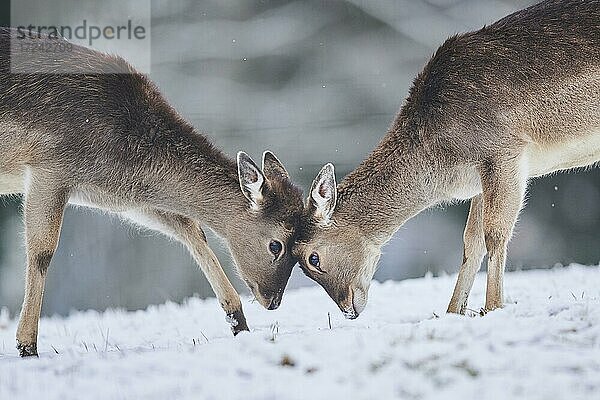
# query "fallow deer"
(491, 109)
(110, 140)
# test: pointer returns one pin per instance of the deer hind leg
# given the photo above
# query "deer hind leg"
(191, 235)
(44, 209)
(504, 185)
(474, 251)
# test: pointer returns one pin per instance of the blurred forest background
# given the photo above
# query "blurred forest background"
(313, 81)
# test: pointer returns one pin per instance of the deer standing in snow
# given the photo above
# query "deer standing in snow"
(492, 108)
(111, 141)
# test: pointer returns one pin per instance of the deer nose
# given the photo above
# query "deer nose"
(353, 303)
(349, 311)
(274, 304)
(350, 314)
(275, 301)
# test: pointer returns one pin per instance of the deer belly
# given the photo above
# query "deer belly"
(11, 183)
(463, 183)
(579, 152)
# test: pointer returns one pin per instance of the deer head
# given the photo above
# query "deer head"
(334, 252)
(266, 229)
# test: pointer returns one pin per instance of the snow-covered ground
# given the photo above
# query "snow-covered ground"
(545, 344)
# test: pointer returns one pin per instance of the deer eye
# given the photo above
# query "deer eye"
(315, 263)
(313, 260)
(275, 247)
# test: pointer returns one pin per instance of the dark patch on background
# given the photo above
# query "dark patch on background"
(5, 13)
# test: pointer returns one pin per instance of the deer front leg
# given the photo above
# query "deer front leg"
(229, 299)
(191, 235)
(474, 251)
(504, 187)
(44, 208)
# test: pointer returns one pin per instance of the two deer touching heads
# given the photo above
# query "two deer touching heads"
(328, 250)
(301, 232)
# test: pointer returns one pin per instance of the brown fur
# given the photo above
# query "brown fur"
(111, 141)
(492, 108)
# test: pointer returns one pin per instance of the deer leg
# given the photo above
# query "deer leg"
(44, 208)
(474, 251)
(191, 235)
(504, 186)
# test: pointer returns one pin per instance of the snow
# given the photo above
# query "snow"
(545, 344)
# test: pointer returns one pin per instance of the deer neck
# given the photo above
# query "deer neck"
(221, 204)
(396, 182)
(201, 183)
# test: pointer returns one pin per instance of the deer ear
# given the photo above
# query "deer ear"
(251, 178)
(272, 167)
(323, 194)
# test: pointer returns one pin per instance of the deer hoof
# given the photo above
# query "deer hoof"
(27, 350)
(237, 320)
